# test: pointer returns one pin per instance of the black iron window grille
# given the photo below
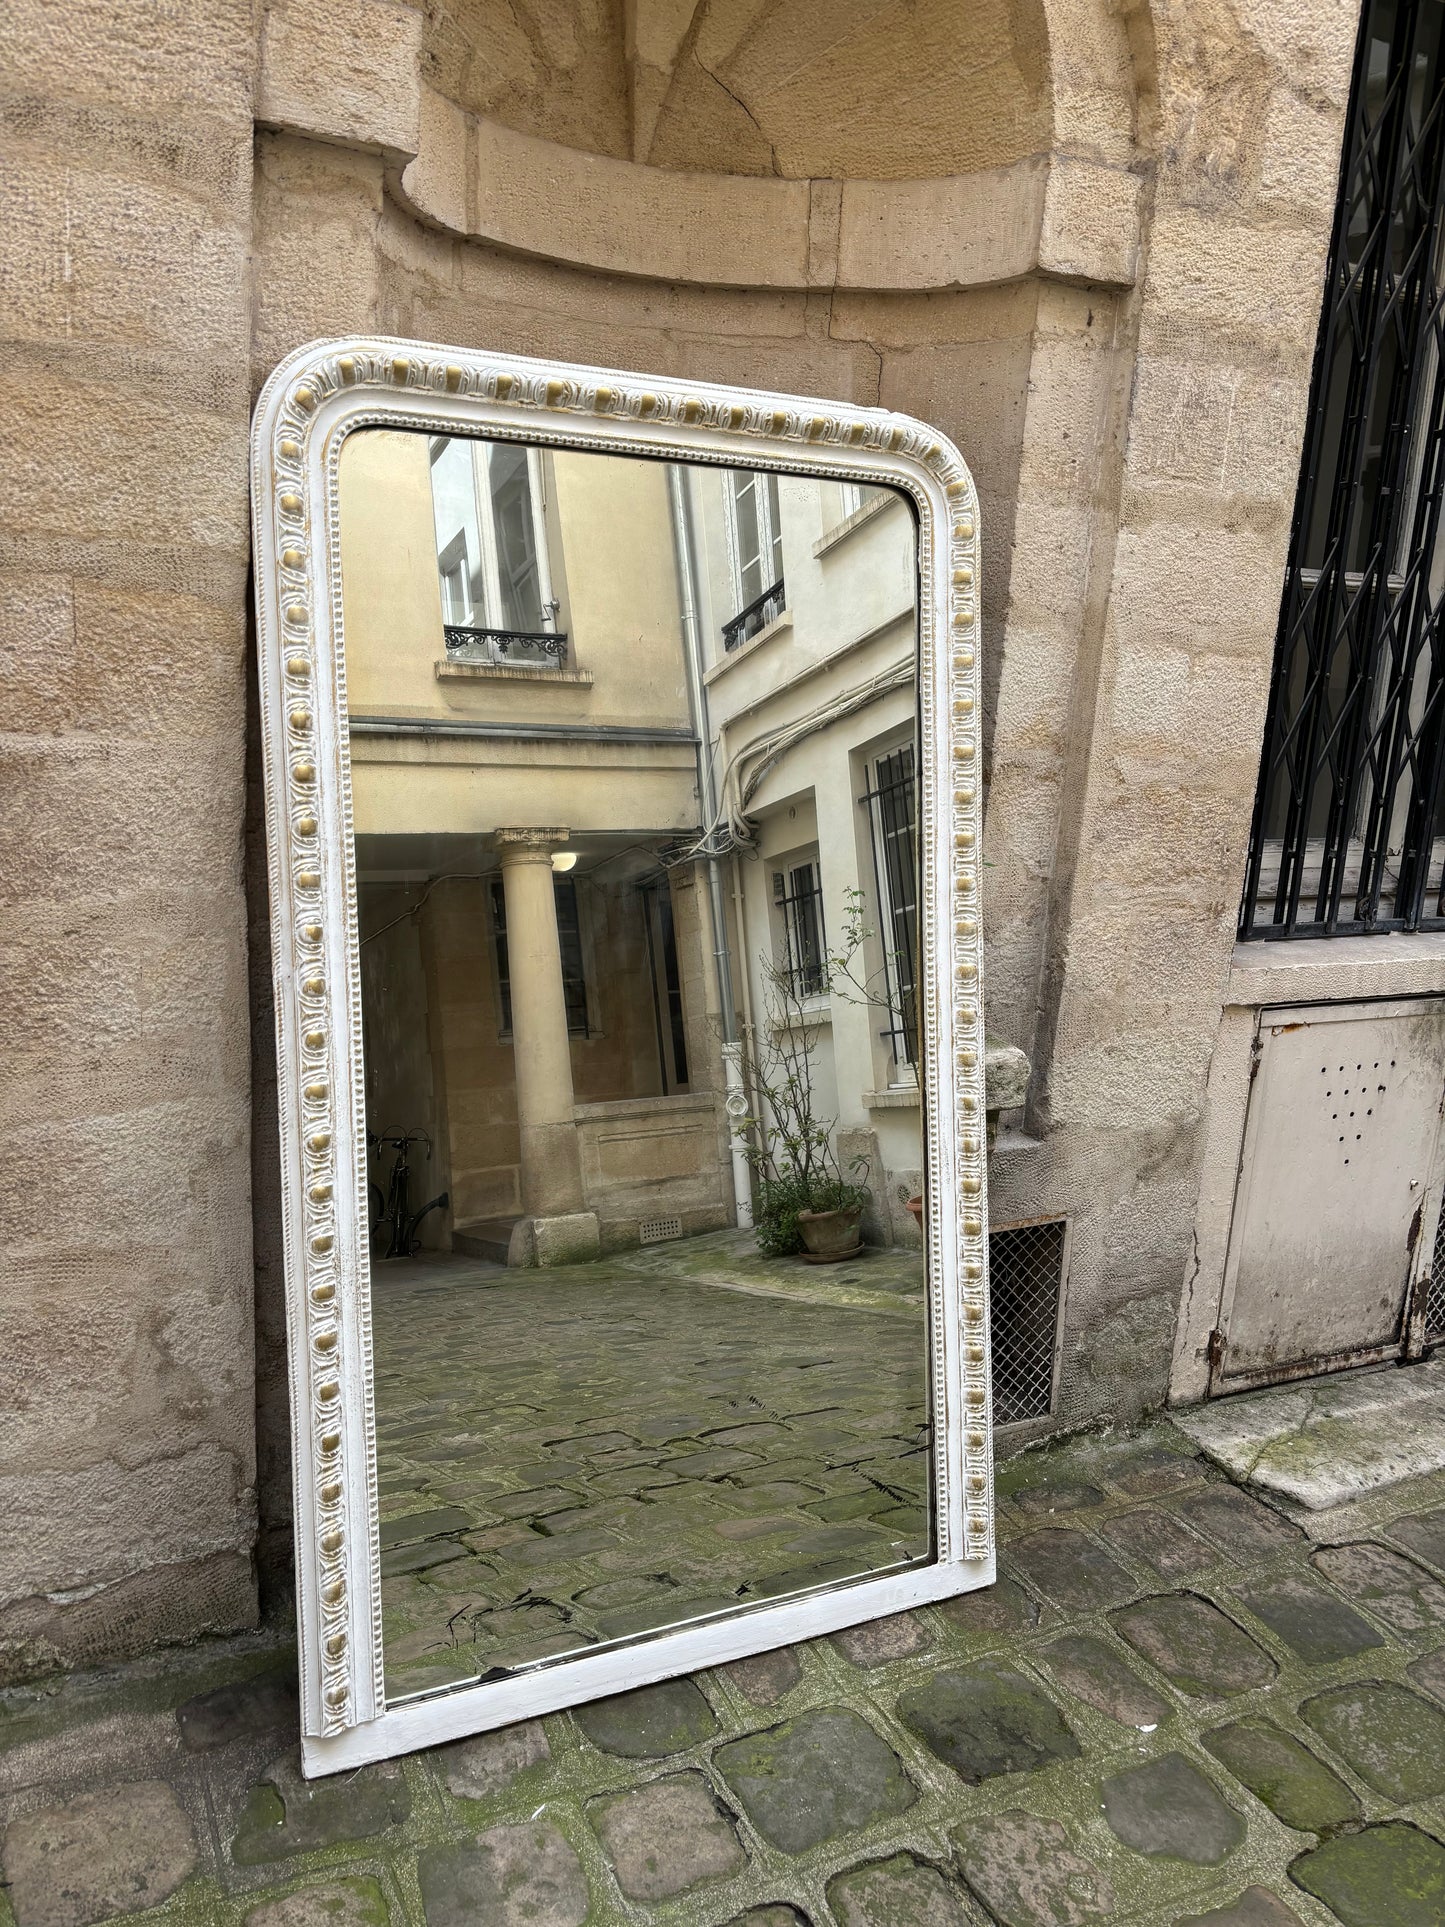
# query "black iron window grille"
(569, 937)
(525, 648)
(747, 622)
(892, 822)
(1348, 834)
(798, 898)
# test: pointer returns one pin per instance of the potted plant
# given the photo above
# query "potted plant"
(829, 1226)
(805, 1204)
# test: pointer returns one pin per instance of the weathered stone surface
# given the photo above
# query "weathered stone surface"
(816, 1777)
(666, 1838)
(1391, 1737)
(765, 1677)
(1145, 1474)
(653, 1721)
(241, 1710)
(1159, 1541)
(286, 1814)
(114, 1851)
(1070, 1569)
(901, 1892)
(416, 1526)
(985, 1719)
(352, 1901)
(525, 1873)
(879, 1640)
(1316, 1626)
(1389, 1876)
(1423, 1532)
(483, 1767)
(1027, 1874)
(1090, 1669)
(1280, 1770)
(777, 1914)
(1255, 1907)
(1334, 1440)
(1036, 1501)
(1193, 1643)
(1386, 1583)
(1003, 1607)
(1429, 1672)
(1237, 1523)
(1168, 1809)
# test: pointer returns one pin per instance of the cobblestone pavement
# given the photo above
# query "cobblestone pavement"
(1174, 1707)
(581, 1454)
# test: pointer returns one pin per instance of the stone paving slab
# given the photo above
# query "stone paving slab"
(984, 1761)
(1328, 1440)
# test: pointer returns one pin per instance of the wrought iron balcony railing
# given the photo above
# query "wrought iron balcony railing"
(514, 648)
(746, 624)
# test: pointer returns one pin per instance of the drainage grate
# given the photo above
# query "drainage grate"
(656, 1231)
(1026, 1288)
(1435, 1291)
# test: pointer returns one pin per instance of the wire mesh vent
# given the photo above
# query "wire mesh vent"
(656, 1231)
(1435, 1293)
(1026, 1277)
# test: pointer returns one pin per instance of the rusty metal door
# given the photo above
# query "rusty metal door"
(1338, 1193)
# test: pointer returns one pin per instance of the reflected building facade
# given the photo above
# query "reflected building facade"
(599, 710)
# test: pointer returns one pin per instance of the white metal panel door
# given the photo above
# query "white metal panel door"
(1339, 1187)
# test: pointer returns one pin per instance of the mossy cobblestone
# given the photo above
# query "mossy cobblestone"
(1284, 1780)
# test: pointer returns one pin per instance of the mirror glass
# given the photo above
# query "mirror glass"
(633, 750)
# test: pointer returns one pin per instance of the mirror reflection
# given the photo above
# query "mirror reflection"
(633, 754)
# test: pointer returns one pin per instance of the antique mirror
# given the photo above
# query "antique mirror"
(621, 754)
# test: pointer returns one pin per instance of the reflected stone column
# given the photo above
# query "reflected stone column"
(556, 1227)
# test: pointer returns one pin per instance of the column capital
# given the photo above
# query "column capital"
(529, 846)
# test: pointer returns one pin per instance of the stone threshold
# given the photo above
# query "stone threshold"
(1323, 1443)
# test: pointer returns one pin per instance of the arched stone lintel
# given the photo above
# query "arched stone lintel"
(1066, 215)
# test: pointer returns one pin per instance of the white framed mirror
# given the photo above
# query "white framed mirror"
(621, 746)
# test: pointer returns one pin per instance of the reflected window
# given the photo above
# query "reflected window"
(798, 899)
(569, 937)
(755, 526)
(666, 986)
(456, 581)
(853, 496)
(490, 515)
(892, 824)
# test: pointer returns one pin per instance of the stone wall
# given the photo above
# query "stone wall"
(1101, 279)
(127, 1462)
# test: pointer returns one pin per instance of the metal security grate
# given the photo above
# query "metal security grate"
(1349, 825)
(1435, 1291)
(1026, 1279)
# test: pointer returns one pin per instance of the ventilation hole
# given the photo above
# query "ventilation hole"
(1025, 1264)
(656, 1231)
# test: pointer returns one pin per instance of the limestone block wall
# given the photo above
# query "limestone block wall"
(127, 1464)
(1105, 287)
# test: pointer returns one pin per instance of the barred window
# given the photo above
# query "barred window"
(1348, 835)
(892, 822)
(798, 899)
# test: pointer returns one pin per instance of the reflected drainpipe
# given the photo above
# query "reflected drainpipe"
(735, 1099)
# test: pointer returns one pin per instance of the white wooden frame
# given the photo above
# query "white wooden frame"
(316, 398)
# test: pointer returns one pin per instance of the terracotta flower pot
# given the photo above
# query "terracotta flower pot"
(915, 1205)
(830, 1235)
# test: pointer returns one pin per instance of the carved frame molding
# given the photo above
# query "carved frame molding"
(313, 400)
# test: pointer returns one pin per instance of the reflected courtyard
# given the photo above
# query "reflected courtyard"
(635, 1442)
